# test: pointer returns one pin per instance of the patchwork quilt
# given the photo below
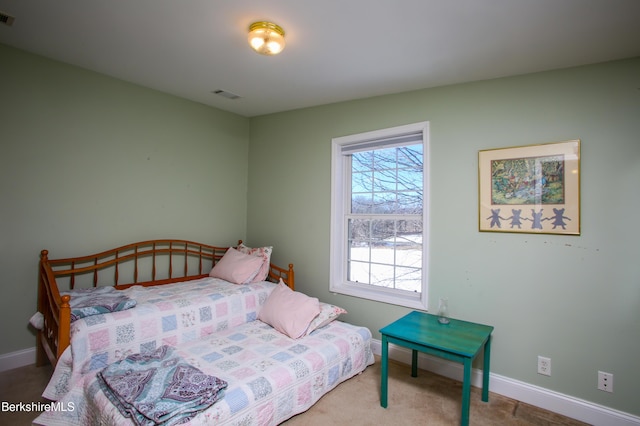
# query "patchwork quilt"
(170, 314)
(270, 377)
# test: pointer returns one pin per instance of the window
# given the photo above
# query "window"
(379, 232)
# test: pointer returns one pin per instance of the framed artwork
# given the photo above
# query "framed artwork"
(530, 189)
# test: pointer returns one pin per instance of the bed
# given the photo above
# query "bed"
(216, 327)
(147, 263)
(272, 379)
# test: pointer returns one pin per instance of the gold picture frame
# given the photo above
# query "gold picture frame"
(531, 189)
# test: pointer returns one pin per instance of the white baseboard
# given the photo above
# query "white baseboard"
(17, 359)
(566, 405)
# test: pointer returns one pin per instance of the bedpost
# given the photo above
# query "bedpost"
(290, 275)
(64, 327)
(41, 354)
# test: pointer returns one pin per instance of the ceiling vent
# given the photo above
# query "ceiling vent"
(6, 19)
(226, 94)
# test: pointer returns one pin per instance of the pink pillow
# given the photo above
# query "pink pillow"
(290, 312)
(262, 252)
(236, 267)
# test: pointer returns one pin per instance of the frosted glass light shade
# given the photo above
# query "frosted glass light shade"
(266, 38)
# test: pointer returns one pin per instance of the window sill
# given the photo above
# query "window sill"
(406, 299)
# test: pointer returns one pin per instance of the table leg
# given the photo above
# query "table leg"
(466, 392)
(485, 370)
(414, 363)
(384, 372)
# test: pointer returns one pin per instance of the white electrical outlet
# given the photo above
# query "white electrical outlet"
(605, 381)
(544, 365)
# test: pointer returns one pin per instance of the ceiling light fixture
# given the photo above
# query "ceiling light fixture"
(266, 38)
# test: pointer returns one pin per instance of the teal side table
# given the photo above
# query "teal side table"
(459, 341)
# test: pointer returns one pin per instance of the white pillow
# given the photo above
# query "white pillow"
(328, 313)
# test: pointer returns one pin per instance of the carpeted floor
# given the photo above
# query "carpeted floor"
(428, 399)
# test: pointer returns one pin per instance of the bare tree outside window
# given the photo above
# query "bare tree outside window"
(385, 226)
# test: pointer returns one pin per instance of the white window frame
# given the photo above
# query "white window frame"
(340, 203)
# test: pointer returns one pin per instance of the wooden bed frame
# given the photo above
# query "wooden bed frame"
(146, 263)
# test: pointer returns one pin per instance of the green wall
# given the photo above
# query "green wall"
(575, 299)
(88, 163)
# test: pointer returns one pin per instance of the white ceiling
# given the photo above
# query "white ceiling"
(336, 49)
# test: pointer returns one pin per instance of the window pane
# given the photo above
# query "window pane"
(409, 203)
(362, 161)
(385, 159)
(362, 182)
(409, 233)
(382, 275)
(409, 179)
(360, 252)
(359, 232)
(411, 155)
(409, 279)
(384, 203)
(409, 255)
(362, 203)
(382, 233)
(359, 272)
(385, 180)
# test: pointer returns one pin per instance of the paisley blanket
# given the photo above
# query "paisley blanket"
(159, 388)
(96, 301)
